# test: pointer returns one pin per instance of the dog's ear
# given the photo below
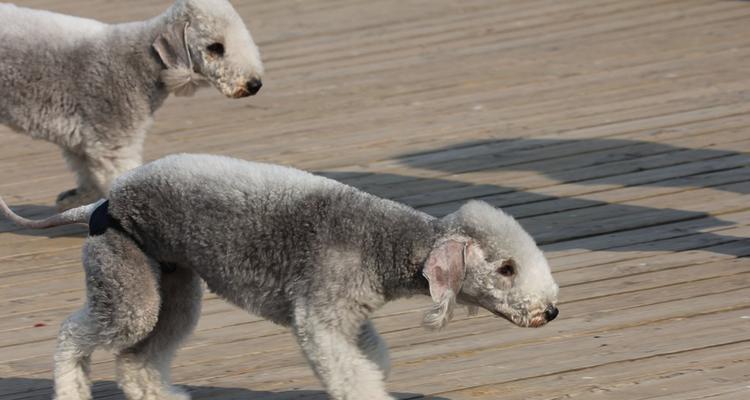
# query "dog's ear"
(444, 269)
(173, 50)
(171, 45)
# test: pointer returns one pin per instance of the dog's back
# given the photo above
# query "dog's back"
(25, 26)
(215, 180)
(186, 195)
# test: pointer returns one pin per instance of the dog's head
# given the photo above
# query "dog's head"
(207, 41)
(488, 260)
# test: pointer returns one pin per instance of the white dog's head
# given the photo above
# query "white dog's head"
(489, 260)
(207, 40)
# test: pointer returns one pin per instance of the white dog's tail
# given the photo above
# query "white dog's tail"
(73, 216)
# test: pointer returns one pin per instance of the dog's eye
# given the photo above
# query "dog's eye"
(216, 48)
(508, 269)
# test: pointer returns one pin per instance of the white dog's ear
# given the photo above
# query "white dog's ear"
(173, 50)
(444, 269)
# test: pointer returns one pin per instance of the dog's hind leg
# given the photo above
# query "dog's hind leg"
(98, 166)
(73, 356)
(122, 306)
(374, 347)
(85, 192)
(143, 369)
(104, 165)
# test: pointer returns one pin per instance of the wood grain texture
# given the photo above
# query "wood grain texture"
(618, 132)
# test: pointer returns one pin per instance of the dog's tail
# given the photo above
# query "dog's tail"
(73, 216)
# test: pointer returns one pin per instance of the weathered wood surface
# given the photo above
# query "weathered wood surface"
(617, 131)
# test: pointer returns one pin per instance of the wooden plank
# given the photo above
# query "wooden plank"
(621, 379)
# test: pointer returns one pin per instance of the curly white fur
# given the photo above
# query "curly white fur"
(92, 88)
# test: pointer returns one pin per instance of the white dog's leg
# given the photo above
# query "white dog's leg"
(73, 356)
(86, 190)
(77, 163)
(330, 348)
(106, 167)
(98, 166)
(122, 306)
(143, 370)
(374, 347)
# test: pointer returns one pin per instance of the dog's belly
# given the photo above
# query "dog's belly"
(255, 298)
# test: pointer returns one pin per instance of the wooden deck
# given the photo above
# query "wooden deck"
(617, 131)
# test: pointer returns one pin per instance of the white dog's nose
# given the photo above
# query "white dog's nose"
(551, 313)
(253, 86)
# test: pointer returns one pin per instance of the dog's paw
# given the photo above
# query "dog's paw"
(75, 197)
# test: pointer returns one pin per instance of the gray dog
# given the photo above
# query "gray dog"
(92, 88)
(298, 249)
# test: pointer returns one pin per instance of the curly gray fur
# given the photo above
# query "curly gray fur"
(298, 249)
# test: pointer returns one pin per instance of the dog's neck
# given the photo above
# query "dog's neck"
(406, 275)
(135, 39)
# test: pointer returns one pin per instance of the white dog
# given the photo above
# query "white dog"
(92, 88)
(298, 249)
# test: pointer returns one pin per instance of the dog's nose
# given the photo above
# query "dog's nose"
(253, 86)
(551, 313)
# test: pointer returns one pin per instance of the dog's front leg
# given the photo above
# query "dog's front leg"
(374, 347)
(328, 338)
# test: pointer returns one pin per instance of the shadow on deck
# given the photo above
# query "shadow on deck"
(26, 388)
(553, 219)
